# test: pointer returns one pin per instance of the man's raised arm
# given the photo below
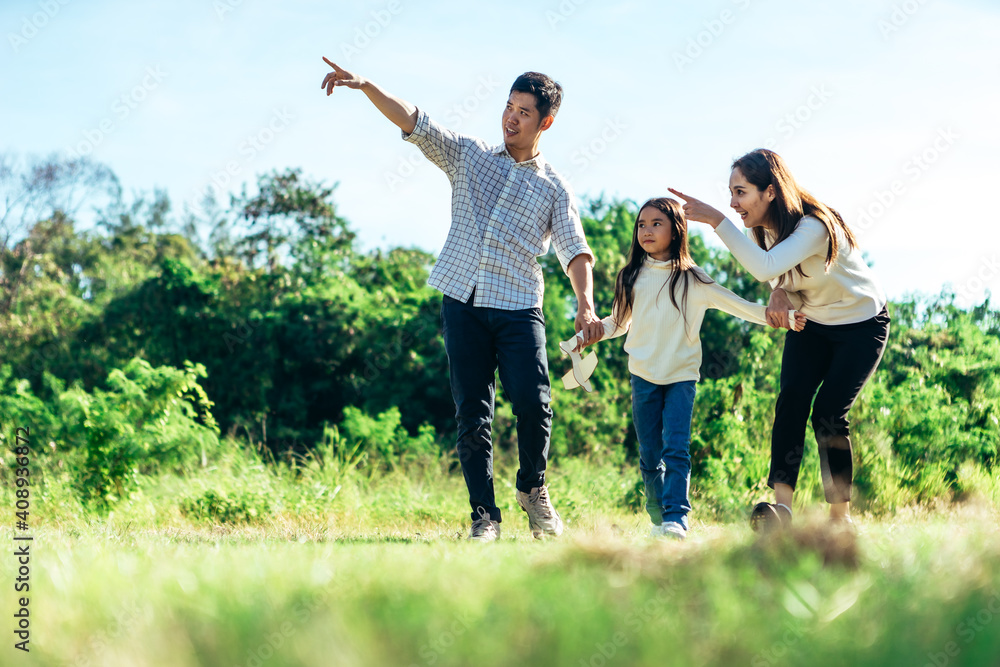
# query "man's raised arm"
(400, 112)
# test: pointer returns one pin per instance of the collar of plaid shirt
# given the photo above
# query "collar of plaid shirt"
(538, 160)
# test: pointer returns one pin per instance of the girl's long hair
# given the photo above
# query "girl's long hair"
(791, 203)
(684, 266)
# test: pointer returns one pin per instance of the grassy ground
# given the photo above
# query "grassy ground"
(908, 592)
(383, 576)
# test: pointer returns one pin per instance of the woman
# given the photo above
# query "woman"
(813, 263)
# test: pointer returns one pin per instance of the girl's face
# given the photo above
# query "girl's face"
(750, 202)
(654, 232)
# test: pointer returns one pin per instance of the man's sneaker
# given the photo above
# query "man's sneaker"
(673, 530)
(768, 516)
(542, 517)
(484, 529)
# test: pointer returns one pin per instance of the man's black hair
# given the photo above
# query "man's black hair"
(548, 93)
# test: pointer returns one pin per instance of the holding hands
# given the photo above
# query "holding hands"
(780, 312)
(590, 329)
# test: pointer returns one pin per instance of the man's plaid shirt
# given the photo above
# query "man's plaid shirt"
(503, 215)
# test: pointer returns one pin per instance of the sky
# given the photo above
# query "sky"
(885, 110)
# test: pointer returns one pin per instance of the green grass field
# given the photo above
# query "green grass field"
(379, 573)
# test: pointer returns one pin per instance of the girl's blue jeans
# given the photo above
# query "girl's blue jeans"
(662, 418)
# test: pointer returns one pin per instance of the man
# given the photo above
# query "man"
(507, 204)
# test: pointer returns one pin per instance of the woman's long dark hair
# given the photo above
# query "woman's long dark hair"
(683, 264)
(791, 203)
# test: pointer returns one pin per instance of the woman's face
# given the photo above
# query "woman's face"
(751, 203)
(654, 233)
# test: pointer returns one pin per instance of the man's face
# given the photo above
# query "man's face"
(521, 121)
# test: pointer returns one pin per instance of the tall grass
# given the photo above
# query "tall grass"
(276, 593)
(335, 559)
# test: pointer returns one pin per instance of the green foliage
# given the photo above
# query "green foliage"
(332, 360)
(930, 415)
(148, 419)
(291, 218)
(242, 506)
(384, 439)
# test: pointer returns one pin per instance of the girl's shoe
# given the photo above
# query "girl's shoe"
(673, 530)
(768, 516)
(844, 524)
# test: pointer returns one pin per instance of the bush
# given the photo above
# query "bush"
(151, 418)
(384, 439)
(241, 506)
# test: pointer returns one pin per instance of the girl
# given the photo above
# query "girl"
(660, 299)
(812, 261)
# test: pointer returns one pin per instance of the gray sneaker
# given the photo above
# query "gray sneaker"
(542, 516)
(673, 529)
(484, 529)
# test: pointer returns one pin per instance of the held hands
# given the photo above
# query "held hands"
(590, 326)
(796, 320)
(340, 77)
(781, 314)
(699, 211)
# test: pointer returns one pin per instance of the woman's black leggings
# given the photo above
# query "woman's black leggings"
(838, 360)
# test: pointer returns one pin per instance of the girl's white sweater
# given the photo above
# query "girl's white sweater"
(661, 349)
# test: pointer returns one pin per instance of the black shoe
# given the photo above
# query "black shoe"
(768, 516)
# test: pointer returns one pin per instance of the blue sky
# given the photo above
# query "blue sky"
(886, 110)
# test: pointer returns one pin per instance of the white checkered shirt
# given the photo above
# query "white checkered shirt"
(503, 215)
